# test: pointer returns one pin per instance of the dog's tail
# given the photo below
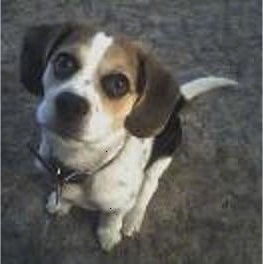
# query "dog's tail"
(196, 87)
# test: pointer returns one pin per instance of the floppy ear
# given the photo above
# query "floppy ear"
(158, 94)
(38, 44)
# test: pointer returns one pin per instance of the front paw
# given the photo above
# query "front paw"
(133, 221)
(108, 238)
(57, 207)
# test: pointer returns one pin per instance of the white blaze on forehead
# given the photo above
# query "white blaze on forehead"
(99, 45)
(84, 83)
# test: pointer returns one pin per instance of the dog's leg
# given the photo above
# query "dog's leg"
(133, 219)
(71, 194)
(109, 230)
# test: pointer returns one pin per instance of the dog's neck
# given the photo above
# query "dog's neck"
(82, 155)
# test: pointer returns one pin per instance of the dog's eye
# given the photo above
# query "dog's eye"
(64, 66)
(115, 85)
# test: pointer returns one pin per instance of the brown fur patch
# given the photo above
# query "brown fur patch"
(121, 57)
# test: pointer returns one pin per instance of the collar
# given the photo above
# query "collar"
(64, 174)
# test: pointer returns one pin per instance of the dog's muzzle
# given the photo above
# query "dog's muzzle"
(71, 112)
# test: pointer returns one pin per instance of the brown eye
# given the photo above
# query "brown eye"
(64, 66)
(115, 85)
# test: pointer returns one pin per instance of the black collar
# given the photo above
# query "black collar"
(55, 167)
(64, 174)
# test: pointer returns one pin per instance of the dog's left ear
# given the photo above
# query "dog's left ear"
(158, 94)
(38, 44)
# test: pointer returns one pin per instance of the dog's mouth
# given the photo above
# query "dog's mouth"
(66, 133)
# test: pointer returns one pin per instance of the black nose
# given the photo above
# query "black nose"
(70, 105)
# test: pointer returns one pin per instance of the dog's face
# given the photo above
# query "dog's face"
(93, 84)
(89, 88)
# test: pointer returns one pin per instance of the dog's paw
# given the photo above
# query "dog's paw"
(132, 222)
(108, 238)
(54, 207)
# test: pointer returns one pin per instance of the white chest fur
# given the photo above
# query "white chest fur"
(117, 185)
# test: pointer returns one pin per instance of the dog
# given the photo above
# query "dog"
(108, 111)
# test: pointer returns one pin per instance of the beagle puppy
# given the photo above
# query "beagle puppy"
(108, 111)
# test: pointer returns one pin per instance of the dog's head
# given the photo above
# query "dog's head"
(92, 84)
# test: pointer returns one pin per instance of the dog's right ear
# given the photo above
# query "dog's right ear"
(38, 44)
(158, 95)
